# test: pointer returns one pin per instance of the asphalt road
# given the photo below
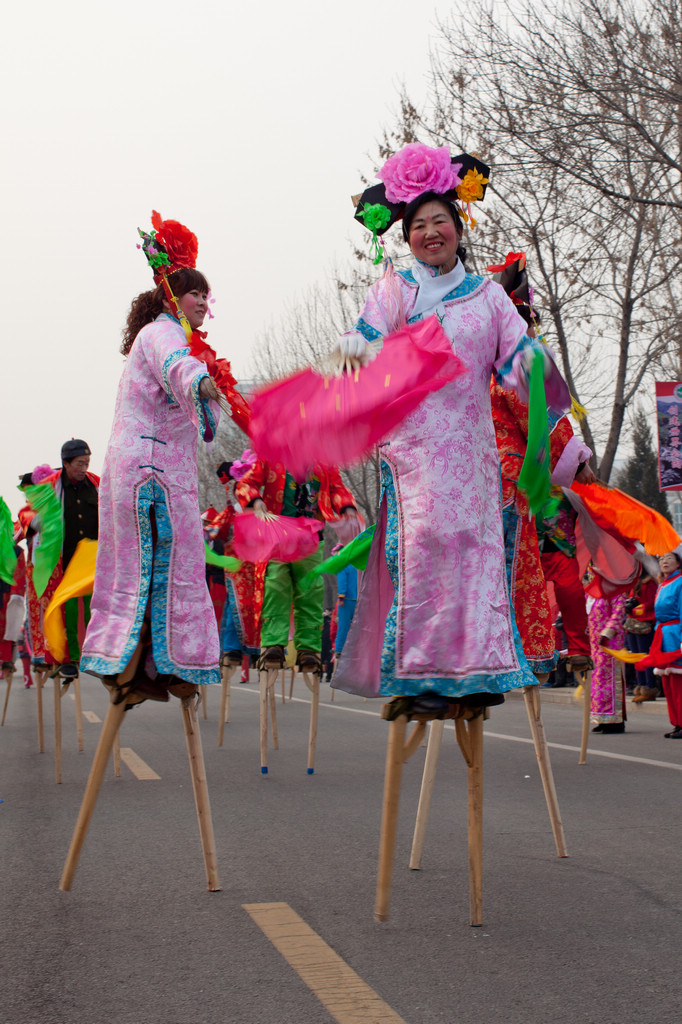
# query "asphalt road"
(592, 938)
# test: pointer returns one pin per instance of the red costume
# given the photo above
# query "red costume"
(16, 589)
(267, 482)
(528, 587)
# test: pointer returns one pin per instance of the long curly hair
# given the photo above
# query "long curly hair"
(147, 306)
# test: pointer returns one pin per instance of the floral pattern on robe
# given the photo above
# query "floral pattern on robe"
(151, 557)
(608, 679)
(451, 627)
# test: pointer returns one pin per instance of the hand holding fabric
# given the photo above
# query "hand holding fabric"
(352, 352)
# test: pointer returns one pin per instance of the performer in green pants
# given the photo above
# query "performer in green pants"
(322, 495)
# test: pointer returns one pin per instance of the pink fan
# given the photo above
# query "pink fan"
(335, 421)
(275, 538)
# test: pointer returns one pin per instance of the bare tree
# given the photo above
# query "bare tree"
(305, 335)
(310, 326)
(579, 113)
(639, 476)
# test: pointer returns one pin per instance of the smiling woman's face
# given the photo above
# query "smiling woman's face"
(434, 237)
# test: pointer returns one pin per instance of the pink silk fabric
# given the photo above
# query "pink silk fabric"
(309, 419)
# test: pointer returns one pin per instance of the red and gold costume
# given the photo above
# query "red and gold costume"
(527, 581)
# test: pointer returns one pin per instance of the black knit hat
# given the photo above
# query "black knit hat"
(73, 448)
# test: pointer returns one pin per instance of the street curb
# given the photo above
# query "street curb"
(564, 695)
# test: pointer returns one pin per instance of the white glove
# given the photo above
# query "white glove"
(352, 352)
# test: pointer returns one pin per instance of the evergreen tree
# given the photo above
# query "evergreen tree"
(639, 476)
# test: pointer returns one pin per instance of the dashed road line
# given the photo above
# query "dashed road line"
(348, 998)
(138, 767)
(91, 716)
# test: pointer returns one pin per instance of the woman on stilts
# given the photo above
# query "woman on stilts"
(434, 627)
(449, 629)
(153, 630)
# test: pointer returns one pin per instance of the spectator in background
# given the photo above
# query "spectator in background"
(347, 582)
(606, 624)
(639, 632)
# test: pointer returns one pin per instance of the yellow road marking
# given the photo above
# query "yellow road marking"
(347, 997)
(137, 766)
(91, 716)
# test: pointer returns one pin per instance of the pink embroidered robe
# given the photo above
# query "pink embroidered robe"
(151, 463)
(454, 629)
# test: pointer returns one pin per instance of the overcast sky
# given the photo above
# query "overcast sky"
(249, 122)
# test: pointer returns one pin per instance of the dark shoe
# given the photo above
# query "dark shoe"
(309, 661)
(68, 671)
(645, 693)
(597, 728)
(231, 658)
(8, 666)
(675, 734)
(136, 691)
(272, 657)
(180, 688)
(613, 727)
(429, 703)
(482, 700)
(579, 663)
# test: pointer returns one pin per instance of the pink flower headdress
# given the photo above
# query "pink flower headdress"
(409, 173)
(418, 168)
(240, 467)
(41, 473)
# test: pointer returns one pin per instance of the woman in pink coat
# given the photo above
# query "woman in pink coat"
(150, 561)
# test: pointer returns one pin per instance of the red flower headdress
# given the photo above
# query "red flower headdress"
(171, 246)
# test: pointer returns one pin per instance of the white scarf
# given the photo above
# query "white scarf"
(433, 288)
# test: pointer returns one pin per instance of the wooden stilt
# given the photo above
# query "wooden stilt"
(79, 713)
(532, 698)
(272, 702)
(395, 757)
(312, 681)
(226, 673)
(470, 740)
(291, 682)
(204, 703)
(112, 724)
(8, 678)
(586, 682)
(198, 772)
(40, 682)
(266, 679)
(117, 756)
(429, 777)
(284, 672)
(57, 727)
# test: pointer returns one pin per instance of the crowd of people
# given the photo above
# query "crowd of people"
(472, 588)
